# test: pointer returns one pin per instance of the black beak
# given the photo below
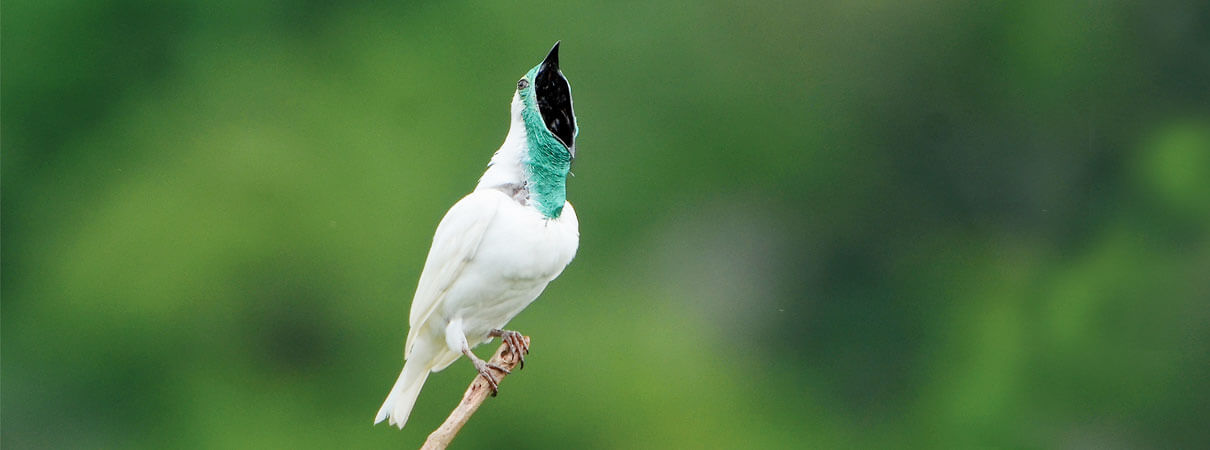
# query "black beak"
(554, 100)
(552, 59)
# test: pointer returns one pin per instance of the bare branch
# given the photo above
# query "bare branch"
(475, 395)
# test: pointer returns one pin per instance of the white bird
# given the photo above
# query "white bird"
(498, 247)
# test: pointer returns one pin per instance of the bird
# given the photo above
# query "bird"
(498, 247)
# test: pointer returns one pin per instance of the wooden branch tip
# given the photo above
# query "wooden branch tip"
(475, 394)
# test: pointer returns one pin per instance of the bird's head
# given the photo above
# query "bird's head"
(543, 103)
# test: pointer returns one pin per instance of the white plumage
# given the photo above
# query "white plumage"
(492, 254)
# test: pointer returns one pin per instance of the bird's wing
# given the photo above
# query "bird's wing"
(454, 245)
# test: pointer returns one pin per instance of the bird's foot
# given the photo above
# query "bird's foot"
(516, 342)
(484, 369)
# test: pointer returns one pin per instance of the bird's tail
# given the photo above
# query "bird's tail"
(399, 402)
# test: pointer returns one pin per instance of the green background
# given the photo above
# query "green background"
(899, 224)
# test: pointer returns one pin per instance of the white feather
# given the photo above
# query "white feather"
(458, 236)
(491, 257)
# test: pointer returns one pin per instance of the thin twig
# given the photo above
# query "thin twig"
(475, 394)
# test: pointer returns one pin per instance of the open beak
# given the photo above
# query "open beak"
(554, 100)
(552, 59)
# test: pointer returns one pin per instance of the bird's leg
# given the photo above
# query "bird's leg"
(515, 342)
(484, 369)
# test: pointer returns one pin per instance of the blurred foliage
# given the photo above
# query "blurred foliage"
(804, 224)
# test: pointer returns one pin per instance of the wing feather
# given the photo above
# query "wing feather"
(454, 245)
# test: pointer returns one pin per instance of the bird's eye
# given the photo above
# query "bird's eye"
(522, 84)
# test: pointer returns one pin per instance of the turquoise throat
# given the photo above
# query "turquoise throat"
(549, 160)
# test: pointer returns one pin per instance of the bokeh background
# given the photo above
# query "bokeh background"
(823, 224)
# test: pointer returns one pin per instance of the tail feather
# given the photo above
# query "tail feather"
(399, 403)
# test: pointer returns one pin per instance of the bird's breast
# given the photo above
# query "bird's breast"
(521, 252)
(522, 245)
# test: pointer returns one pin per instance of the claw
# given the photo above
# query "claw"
(517, 348)
(500, 368)
(515, 342)
(492, 381)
